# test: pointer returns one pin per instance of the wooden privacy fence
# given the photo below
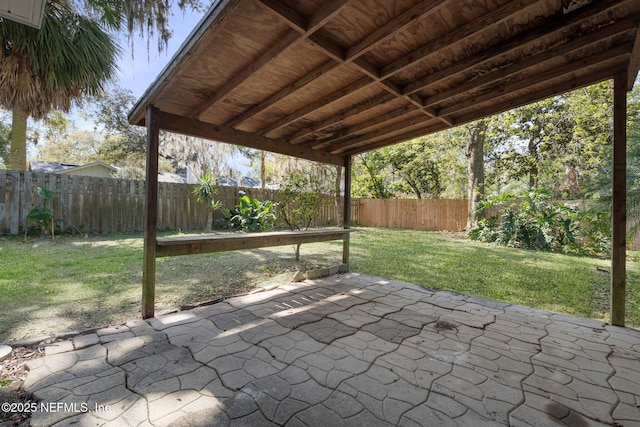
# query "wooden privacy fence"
(107, 205)
(415, 214)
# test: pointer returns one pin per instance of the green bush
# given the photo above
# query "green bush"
(530, 220)
(249, 215)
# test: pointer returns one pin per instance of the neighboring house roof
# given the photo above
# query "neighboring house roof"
(69, 168)
(245, 182)
(171, 177)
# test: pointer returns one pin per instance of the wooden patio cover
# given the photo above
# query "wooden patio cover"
(325, 80)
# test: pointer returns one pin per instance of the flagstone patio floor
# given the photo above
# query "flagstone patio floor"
(346, 350)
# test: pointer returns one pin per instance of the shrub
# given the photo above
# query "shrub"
(249, 215)
(531, 221)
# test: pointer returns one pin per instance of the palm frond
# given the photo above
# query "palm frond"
(69, 57)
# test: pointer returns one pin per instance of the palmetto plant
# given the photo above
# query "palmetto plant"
(205, 192)
(42, 215)
(69, 57)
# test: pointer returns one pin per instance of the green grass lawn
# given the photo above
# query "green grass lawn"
(75, 283)
(446, 261)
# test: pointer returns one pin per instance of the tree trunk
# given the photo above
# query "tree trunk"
(18, 153)
(475, 169)
(297, 251)
(263, 169)
(209, 225)
(533, 166)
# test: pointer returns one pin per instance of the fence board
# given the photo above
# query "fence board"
(415, 214)
(106, 205)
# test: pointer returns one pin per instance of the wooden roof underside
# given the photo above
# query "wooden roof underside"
(325, 79)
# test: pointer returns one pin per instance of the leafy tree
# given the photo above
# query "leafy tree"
(532, 136)
(592, 114)
(370, 176)
(123, 142)
(412, 162)
(301, 195)
(69, 57)
(77, 146)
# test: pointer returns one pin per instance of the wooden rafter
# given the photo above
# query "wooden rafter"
(341, 115)
(290, 89)
(406, 136)
(358, 140)
(500, 104)
(498, 51)
(456, 36)
(292, 38)
(501, 74)
(369, 124)
(269, 56)
(327, 100)
(298, 22)
(420, 11)
(619, 53)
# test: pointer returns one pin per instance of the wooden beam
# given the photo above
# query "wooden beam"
(375, 122)
(194, 127)
(399, 23)
(343, 114)
(151, 215)
(477, 25)
(217, 14)
(347, 209)
(295, 20)
(619, 203)
(340, 56)
(618, 53)
(301, 30)
(430, 127)
(189, 245)
(323, 102)
(321, 71)
(535, 60)
(292, 17)
(634, 64)
(566, 86)
(487, 110)
(290, 39)
(515, 43)
(342, 146)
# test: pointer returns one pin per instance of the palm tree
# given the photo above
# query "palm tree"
(70, 57)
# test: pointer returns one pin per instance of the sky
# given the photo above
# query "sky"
(138, 71)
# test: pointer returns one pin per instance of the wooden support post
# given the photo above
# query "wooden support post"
(151, 215)
(619, 201)
(347, 209)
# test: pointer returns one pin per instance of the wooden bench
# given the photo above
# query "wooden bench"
(188, 245)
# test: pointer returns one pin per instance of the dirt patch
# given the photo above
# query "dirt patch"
(12, 375)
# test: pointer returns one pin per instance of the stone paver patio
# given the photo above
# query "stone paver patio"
(349, 350)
